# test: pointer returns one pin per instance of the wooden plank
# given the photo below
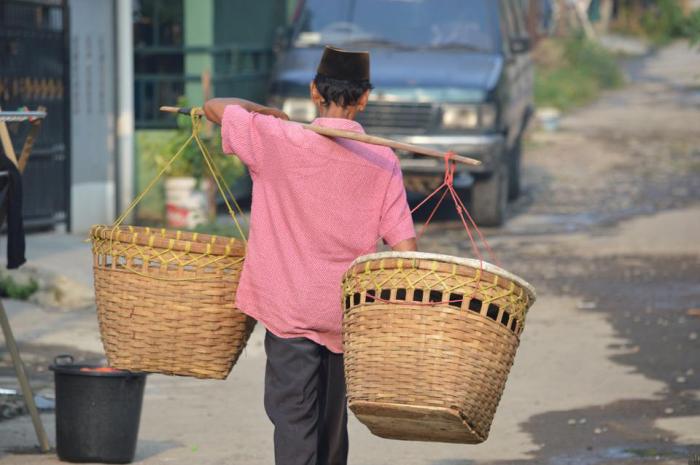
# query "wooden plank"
(29, 141)
(415, 422)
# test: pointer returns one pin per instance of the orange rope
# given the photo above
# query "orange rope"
(448, 186)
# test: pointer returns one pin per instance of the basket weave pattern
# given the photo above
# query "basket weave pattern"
(428, 346)
(165, 300)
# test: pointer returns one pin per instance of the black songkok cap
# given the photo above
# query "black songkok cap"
(344, 65)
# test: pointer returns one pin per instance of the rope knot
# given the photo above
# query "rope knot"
(449, 168)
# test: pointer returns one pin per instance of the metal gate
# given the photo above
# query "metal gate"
(34, 70)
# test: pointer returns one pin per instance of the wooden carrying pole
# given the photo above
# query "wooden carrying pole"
(331, 132)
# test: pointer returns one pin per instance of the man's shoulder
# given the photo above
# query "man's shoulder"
(381, 150)
(372, 155)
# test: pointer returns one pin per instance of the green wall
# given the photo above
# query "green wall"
(246, 25)
(249, 23)
(199, 32)
(217, 25)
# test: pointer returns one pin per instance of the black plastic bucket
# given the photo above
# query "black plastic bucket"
(98, 411)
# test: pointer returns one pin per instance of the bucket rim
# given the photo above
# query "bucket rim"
(470, 262)
(75, 370)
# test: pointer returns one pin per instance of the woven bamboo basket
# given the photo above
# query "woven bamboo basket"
(429, 341)
(165, 300)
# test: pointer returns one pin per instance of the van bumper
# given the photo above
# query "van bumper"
(487, 148)
(423, 174)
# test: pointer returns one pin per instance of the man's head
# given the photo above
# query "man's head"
(341, 86)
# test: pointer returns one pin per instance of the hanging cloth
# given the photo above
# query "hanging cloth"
(11, 203)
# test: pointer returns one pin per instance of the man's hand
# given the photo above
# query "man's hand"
(214, 109)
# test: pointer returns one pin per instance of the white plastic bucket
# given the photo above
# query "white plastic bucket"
(186, 205)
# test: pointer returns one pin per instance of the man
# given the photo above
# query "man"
(318, 204)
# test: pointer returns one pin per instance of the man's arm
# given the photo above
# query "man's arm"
(408, 245)
(214, 108)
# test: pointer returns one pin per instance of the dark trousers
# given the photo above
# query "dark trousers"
(305, 400)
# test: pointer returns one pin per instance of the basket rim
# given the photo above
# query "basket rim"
(184, 240)
(469, 262)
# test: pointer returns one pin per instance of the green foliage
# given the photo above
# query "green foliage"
(563, 88)
(150, 143)
(156, 147)
(580, 70)
(220, 229)
(594, 61)
(691, 27)
(191, 162)
(663, 21)
(14, 290)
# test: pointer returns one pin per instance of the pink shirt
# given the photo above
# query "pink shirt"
(318, 204)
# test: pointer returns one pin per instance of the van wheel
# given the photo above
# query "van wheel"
(490, 198)
(514, 170)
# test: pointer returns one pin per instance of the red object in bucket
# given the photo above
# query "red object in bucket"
(100, 369)
(177, 216)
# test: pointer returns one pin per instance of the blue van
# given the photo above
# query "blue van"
(448, 74)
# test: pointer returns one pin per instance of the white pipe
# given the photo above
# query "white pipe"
(125, 103)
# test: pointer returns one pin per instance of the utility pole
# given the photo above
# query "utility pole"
(125, 103)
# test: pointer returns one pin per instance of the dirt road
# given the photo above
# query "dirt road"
(607, 372)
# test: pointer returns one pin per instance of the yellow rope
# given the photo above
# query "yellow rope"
(223, 188)
(107, 246)
(150, 185)
(205, 152)
(216, 173)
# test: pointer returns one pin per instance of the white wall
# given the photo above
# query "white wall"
(92, 107)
